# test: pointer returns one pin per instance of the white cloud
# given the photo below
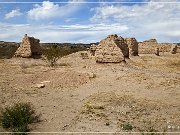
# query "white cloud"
(13, 13)
(68, 20)
(157, 20)
(51, 10)
(64, 33)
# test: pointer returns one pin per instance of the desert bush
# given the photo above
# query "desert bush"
(84, 55)
(54, 53)
(151, 131)
(127, 126)
(17, 117)
(8, 50)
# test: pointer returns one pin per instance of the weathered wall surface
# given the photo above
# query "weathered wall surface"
(132, 45)
(120, 42)
(111, 50)
(178, 49)
(29, 47)
(173, 49)
(150, 47)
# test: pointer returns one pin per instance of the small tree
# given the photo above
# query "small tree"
(53, 54)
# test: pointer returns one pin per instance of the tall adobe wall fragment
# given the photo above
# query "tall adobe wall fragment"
(174, 49)
(123, 46)
(29, 47)
(132, 45)
(111, 50)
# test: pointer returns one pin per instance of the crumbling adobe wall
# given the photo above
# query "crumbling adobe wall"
(165, 47)
(150, 47)
(123, 46)
(92, 49)
(132, 45)
(111, 50)
(35, 46)
(178, 49)
(29, 47)
(173, 49)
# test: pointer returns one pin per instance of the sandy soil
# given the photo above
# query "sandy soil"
(83, 96)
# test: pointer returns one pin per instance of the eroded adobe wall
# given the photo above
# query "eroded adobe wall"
(132, 45)
(29, 47)
(148, 46)
(35, 46)
(111, 50)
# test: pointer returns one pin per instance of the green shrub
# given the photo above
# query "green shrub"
(127, 126)
(151, 131)
(17, 117)
(54, 53)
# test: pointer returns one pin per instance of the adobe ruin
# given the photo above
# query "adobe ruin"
(153, 47)
(29, 47)
(112, 49)
(132, 45)
(174, 49)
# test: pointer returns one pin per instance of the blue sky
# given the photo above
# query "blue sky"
(90, 20)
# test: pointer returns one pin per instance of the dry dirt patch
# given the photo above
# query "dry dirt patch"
(54, 77)
(107, 111)
(166, 63)
(66, 91)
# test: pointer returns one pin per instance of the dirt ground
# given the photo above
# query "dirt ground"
(80, 95)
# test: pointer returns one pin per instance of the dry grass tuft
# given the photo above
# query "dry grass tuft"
(136, 76)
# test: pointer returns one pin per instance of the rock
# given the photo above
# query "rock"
(45, 82)
(132, 45)
(112, 49)
(107, 124)
(173, 49)
(29, 47)
(157, 51)
(92, 75)
(41, 85)
(84, 55)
